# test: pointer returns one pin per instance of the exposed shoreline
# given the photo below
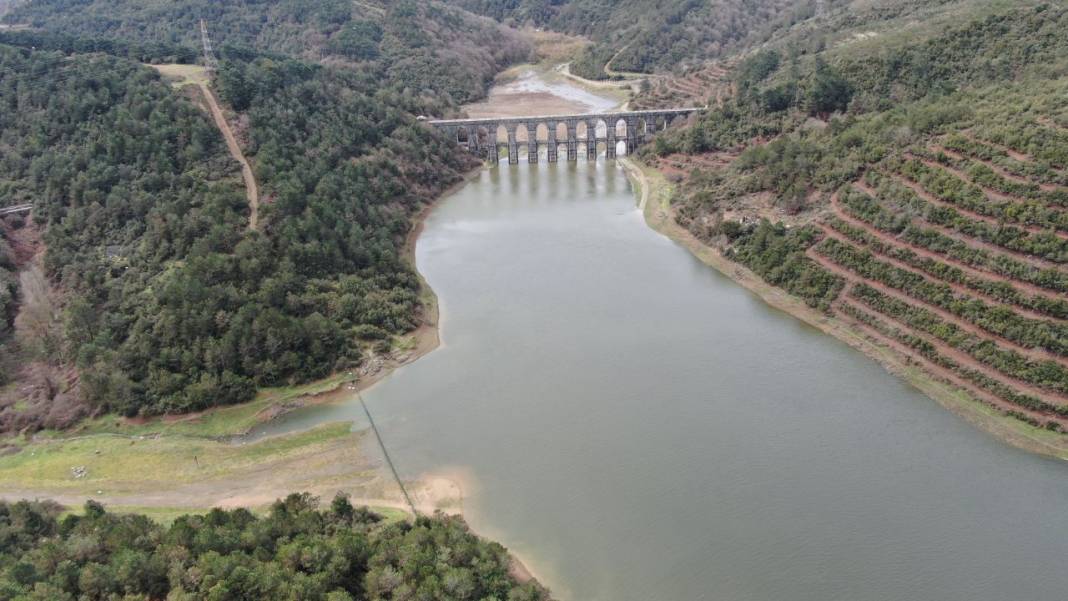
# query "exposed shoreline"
(428, 338)
(653, 202)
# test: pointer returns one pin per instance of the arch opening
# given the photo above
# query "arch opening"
(541, 132)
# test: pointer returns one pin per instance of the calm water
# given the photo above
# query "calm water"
(639, 428)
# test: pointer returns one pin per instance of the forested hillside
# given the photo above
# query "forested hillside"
(425, 45)
(644, 36)
(295, 551)
(919, 184)
(154, 295)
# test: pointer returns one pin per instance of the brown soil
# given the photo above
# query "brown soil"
(24, 237)
(1012, 152)
(998, 169)
(889, 240)
(941, 372)
(931, 198)
(1036, 262)
(958, 288)
(251, 190)
(848, 275)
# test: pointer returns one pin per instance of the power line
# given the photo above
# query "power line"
(385, 453)
(209, 55)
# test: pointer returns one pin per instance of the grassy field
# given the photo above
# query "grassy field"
(223, 421)
(181, 75)
(167, 467)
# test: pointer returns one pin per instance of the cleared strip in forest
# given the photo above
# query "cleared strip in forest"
(251, 190)
(922, 324)
(1011, 152)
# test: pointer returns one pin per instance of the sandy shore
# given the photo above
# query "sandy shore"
(654, 203)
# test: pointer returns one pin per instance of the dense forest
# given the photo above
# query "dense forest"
(425, 46)
(295, 551)
(172, 306)
(918, 186)
(642, 36)
(155, 297)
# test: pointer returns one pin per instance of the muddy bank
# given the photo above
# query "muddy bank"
(539, 90)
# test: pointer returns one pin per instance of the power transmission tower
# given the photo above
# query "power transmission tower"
(209, 55)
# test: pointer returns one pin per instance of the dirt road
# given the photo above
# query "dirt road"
(251, 191)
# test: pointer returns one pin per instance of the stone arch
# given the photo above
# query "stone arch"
(621, 128)
(561, 130)
(461, 135)
(521, 132)
(502, 133)
(602, 129)
(541, 132)
(621, 147)
(580, 130)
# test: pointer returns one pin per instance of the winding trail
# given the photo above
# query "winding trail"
(251, 190)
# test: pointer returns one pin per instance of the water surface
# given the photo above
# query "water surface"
(637, 427)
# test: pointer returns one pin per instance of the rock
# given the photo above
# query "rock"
(371, 366)
(79, 471)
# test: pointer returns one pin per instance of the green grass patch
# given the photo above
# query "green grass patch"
(215, 423)
(117, 464)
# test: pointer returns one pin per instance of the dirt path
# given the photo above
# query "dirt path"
(998, 169)
(890, 240)
(958, 356)
(995, 221)
(954, 286)
(608, 84)
(1011, 152)
(1036, 262)
(939, 371)
(1036, 354)
(251, 190)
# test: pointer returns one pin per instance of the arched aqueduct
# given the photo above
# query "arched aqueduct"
(556, 133)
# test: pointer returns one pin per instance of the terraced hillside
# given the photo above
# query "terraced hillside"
(699, 85)
(950, 247)
(916, 194)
